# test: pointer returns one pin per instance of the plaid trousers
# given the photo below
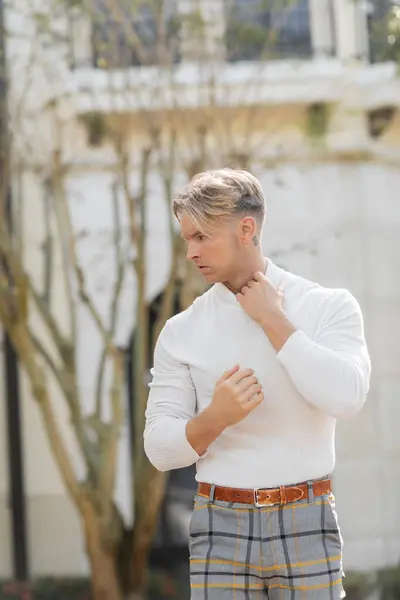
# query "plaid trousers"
(242, 552)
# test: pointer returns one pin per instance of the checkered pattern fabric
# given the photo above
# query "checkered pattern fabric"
(242, 552)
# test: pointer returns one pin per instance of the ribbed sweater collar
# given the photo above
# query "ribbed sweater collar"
(274, 274)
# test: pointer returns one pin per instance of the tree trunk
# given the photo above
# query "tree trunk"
(149, 496)
(103, 561)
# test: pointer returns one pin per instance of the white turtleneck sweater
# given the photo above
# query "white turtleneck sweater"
(320, 375)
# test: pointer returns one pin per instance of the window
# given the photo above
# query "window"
(384, 30)
(258, 30)
(129, 34)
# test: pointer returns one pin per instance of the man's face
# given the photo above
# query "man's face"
(213, 253)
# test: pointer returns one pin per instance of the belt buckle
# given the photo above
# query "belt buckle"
(261, 504)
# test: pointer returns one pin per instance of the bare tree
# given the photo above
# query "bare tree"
(172, 140)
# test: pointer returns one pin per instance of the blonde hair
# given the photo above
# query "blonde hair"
(221, 195)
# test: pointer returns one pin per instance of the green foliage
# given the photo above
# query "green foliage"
(317, 120)
(128, 33)
(42, 21)
(163, 585)
(259, 32)
(380, 119)
(388, 581)
(96, 127)
(384, 582)
(358, 585)
(385, 33)
(193, 21)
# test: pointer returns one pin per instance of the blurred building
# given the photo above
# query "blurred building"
(326, 146)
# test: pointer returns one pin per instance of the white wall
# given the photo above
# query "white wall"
(351, 216)
(326, 223)
(334, 223)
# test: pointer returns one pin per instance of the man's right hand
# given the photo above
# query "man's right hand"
(236, 395)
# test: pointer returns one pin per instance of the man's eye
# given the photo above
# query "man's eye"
(201, 238)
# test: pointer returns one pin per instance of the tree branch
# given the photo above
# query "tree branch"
(117, 14)
(63, 345)
(25, 286)
(12, 263)
(108, 471)
(26, 352)
(73, 261)
(120, 269)
(14, 312)
(47, 250)
(65, 232)
(137, 231)
(123, 166)
(167, 168)
(67, 385)
(142, 314)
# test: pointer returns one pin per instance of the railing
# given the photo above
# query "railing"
(254, 30)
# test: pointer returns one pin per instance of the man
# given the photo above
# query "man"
(248, 383)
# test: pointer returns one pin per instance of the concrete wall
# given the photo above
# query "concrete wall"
(347, 217)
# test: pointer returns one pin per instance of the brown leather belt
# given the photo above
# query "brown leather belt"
(268, 496)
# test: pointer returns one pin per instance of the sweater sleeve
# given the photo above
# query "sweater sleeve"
(333, 372)
(171, 404)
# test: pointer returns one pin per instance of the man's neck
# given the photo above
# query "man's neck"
(246, 272)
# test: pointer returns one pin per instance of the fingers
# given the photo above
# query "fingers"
(229, 373)
(236, 375)
(258, 276)
(251, 284)
(246, 383)
(252, 390)
(254, 402)
(240, 376)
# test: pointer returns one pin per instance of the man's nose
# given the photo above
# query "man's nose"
(191, 252)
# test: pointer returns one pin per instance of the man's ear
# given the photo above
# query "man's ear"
(247, 230)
